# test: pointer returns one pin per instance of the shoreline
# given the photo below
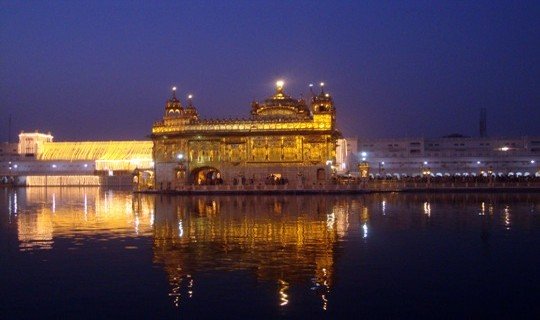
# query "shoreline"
(342, 189)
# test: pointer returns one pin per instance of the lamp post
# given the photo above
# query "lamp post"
(426, 172)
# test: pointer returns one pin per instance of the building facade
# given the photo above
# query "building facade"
(453, 155)
(30, 143)
(38, 161)
(284, 141)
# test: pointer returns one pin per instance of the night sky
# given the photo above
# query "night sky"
(103, 70)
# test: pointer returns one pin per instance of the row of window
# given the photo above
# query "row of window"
(416, 163)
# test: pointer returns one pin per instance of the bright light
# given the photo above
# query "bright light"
(280, 83)
(190, 96)
(532, 161)
(174, 88)
(363, 159)
(180, 156)
(328, 162)
(54, 166)
(477, 162)
(322, 84)
(427, 208)
(180, 229)
(327, 95)
(365, 228)
(86, 165)
(15, 166)
(311, 85)
(364, 154)
(425, 162)
(504, 149)
(382, 163)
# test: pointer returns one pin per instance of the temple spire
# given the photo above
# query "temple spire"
(279, 87)
(174, 98)
(311, 89)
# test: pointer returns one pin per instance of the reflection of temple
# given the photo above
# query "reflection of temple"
(284, 240)
(285, 141)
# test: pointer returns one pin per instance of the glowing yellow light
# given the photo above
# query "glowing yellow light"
(280, 83)
(322, 84)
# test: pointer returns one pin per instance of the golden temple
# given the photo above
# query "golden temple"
(285, 141)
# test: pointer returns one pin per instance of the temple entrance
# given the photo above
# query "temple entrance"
(143, 179)
(206, 176)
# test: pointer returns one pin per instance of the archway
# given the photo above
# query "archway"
(206, 176)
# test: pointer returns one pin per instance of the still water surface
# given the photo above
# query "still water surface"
(94, 253)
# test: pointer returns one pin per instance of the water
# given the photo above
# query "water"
(94, 253)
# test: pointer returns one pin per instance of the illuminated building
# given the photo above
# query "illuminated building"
(453, 155)
(42, 162)
(106, 155)
(30, 143)
(285, 141)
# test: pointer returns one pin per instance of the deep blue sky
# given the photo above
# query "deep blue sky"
(103, 70)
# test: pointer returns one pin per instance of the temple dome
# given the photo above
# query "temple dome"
(280, 105)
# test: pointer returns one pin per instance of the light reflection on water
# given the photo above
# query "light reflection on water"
(77, 213)
(292, 242)
(283, 240)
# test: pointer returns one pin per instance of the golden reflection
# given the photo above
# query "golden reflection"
(281, 239)
(507, 221)
(283, 296)
(181, 287)
(70, 212)
(288, 240)
(482, 209)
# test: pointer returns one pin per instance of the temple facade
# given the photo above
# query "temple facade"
(285, 141)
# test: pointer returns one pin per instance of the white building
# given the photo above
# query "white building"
(449, 156)
(346, 151)
(30, 143)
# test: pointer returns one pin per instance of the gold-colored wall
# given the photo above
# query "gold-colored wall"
(283, 138)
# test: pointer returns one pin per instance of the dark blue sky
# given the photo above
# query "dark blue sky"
(103, 70)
